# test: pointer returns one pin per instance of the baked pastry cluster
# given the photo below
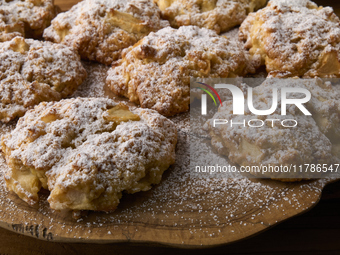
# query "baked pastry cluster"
(156, 71)
(100, 29)
(218, 15)
(294, 38)
(86, 152)
(27, 18)
(316, 139)
(33, 71)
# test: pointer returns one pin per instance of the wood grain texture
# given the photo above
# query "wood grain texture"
(157, 226)
(313, 233)
(66, 4)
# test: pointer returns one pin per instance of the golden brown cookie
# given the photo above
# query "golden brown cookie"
(315, 139)
(27, 18)
(218, 15)
(86, 152)
(294, 38)
(34, 71)
(156, 71)
(100, 29)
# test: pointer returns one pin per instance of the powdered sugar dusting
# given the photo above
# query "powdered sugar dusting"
(94, 85)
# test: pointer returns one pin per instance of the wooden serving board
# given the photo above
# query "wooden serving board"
(181, 211)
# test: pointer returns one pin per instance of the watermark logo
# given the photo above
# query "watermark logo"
(204, 97)
(239, 99)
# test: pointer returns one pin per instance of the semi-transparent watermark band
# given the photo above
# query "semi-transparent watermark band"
(265, 128)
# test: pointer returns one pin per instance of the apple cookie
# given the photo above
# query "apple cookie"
(294, 38)
(86, 152)
(34, 71)
(27, 18)
(156, 71)
(218, 15)
(100, 29)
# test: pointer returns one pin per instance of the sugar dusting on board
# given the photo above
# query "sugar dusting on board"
(95, 83)
(205, 207)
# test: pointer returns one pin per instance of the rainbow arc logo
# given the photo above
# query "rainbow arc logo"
(209, 93)
(204, 97)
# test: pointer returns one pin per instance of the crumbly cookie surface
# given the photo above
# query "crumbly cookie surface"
(27, 18)
(315, 139)
(34, 71)
(294, 38)
(155, 73)
(100, 29)
(87, 151)
(218, 15)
